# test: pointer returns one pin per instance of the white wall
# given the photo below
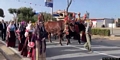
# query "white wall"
(100, 23)
(112, 25)
(108, 21)
(94, 23)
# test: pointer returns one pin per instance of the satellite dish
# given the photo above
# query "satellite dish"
(1, 13)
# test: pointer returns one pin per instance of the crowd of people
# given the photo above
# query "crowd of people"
(31, 36)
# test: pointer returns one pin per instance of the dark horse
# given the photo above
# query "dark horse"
(57, 28)
(75, 29)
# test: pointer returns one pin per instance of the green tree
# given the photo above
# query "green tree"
(23, 13)
(13, 11)
(27, 14)
(1, 13)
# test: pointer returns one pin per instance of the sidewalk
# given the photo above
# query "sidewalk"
(94, 37)
(2, 57)
(10, 53)
(108, 41)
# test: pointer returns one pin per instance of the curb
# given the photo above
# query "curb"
(6, 57)
(15, 51)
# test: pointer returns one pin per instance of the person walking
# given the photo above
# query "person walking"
(40, 42)
(3, 29)
(11, 37)
(21, 36)
(87, 45)
(28, 35)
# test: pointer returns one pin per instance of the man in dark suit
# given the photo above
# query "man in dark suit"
(3, 28)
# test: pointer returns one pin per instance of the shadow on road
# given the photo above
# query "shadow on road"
(97, 57)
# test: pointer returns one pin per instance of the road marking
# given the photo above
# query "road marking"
(93, 51)
(72, 55)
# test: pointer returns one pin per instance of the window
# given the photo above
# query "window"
(61, 14)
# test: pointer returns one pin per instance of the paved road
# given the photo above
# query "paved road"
(101, 48)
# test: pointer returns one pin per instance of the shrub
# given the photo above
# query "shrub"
(103, 32)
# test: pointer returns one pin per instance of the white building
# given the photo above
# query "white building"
(104, 21)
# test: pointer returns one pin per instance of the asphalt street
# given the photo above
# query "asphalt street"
(101, 48)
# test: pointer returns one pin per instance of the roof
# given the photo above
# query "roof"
(101, 19)
(62, 11)
(96, 18)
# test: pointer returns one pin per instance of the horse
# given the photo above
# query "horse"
(74, 30)
(57, 28)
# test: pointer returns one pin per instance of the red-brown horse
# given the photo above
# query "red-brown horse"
(55, 28)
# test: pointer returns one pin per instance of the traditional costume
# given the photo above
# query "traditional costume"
(28, 34)
(21, 36)
(40, 48)
(11, 38)
(66, 19)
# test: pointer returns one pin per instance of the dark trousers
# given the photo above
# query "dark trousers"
(3, 34)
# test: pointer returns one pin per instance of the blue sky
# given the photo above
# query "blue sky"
(96, 8)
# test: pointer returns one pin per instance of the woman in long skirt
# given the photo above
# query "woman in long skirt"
(21, 35)
(26, 51)
(11, 38)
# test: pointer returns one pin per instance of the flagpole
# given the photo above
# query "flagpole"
(51, 13)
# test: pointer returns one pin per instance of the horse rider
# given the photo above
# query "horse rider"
(73, 18)
(66, 21)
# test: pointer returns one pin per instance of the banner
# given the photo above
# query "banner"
(49, 3)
